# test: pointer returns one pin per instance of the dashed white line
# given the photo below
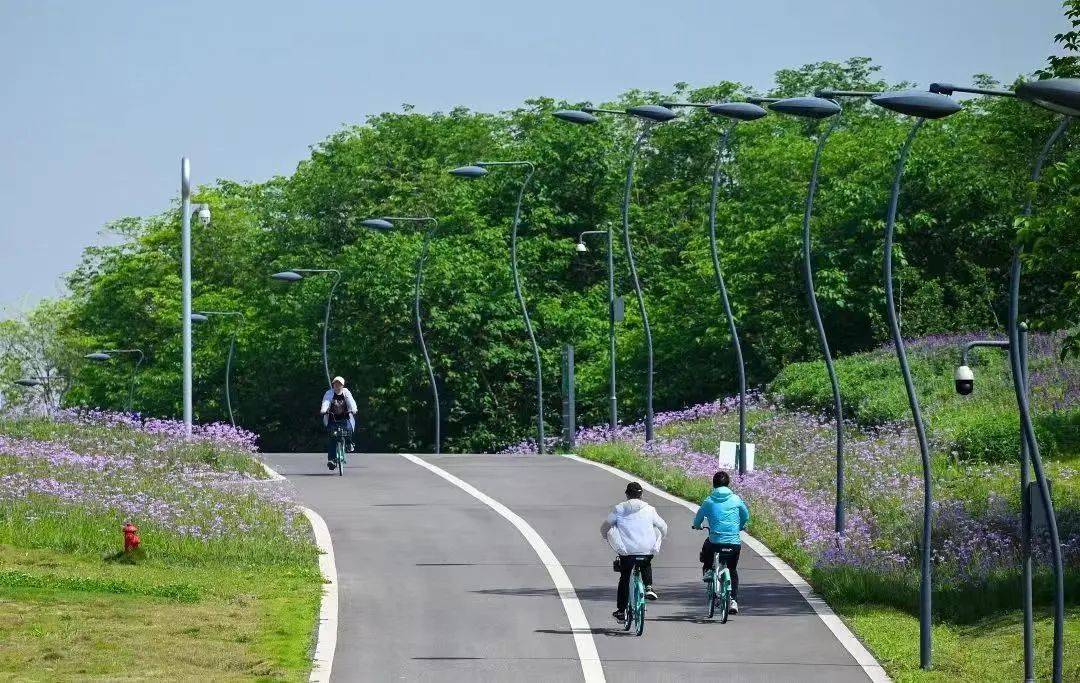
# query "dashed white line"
(591, 667)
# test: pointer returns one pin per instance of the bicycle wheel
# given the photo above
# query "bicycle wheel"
(639, 613)
(725, 595)
(710, 595)
(341, 457)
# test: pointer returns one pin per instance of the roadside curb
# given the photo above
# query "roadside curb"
(326, 639)
(839, 629)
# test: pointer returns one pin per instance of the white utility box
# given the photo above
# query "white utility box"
(727, 456)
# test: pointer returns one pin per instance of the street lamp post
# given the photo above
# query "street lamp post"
(478, 170)
(613, 409)
(651, 114)
(185, 274)
(923, 106)
(203, 316)
(107, 354)
(385, 223)
(819, 108)
(297, 274)
(1061, 96)
(735, 112)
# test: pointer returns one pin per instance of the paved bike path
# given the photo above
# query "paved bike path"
(502, 616)
(413, 557)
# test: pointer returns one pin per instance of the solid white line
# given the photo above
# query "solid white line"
(326, 639)
(323, 661)
(839, 629)
(591, 667)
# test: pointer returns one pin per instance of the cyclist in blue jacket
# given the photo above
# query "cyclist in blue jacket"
(727, 515)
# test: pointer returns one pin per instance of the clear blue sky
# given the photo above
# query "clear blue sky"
(99, 100)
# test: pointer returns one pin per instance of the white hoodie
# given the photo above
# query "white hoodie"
(634, 528)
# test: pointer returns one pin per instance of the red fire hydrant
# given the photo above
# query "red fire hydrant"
(131, 537)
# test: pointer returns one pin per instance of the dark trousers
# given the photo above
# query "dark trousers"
(331, 442)
(729, 555)
(626, 568)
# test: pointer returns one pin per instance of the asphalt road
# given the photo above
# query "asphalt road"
(435, 585)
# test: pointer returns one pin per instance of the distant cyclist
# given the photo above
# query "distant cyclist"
(633, 528)
(727, 515)
(338, 408)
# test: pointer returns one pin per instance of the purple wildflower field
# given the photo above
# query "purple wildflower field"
(71, 482)
(976, 510)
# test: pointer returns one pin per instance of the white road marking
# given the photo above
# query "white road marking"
(591, 667)
(326, 639)
(858, 651)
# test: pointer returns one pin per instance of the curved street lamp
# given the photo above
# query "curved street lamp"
(1061, 96)
(923, 106)
(477, 170)
(651, 114)
(297, 274)
(734, 112)
(385, 223)
(203, 211)
(107, 354)
(613, 409)
(204, 316)
(816, 109)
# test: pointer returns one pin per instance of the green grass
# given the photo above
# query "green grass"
(226, 605)
(978, 648)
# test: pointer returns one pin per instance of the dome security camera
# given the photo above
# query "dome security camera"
(204, 215)
(964, 379)
(581, 247)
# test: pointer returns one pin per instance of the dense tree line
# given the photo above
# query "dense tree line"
(966, 179)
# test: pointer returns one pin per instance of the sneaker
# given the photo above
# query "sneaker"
(650, 594)
(620, 615)
(734, 608)
(331, 465)
(352, 447)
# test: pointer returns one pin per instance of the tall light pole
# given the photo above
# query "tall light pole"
(297, 274)
(651, 114)
(1061, 96)
(386, 223)
(922, 106)
(477, 170)
(816, 109)
(185, 276)
(204, 316)
(613, 400)
(734, 112)
(107, 354)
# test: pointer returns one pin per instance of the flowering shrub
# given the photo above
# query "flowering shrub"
(72, 482)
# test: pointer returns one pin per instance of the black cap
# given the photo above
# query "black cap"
(633, 489)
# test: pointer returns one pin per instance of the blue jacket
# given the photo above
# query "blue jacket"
(727, 515)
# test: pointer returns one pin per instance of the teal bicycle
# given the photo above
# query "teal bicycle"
(718, 587)
(340, 435)
(635, 606)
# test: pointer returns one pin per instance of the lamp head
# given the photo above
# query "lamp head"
(199, 318)
(652, 112)
(28, 382)
(927, 105)
(472, 171)
(581, 248)
(575, 116)
(806, 107)
(377, 224)
(287, 276)
(1060, 95)
(964, 379)
(739, 111)
(98, 355)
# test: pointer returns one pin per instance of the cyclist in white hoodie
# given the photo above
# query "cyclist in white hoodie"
(633, 529)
